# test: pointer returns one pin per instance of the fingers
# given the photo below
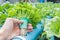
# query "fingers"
(15, 20)
(30, 28)
(15, 32)
(7, 28)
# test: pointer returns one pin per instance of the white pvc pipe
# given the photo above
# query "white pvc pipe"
(2, 1)
(45, 0)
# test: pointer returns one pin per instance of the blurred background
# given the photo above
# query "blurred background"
(12, 1)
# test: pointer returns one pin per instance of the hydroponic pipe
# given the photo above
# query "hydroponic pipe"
(52, 38)
(41, 1)
(36, 32)
(32, 35)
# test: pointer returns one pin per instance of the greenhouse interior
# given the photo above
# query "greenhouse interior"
(29, 19)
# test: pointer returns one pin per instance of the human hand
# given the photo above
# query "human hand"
(11, 28)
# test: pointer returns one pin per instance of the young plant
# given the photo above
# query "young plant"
(53, 27)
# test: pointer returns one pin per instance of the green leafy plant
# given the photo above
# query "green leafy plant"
(26, 10)
(2, 18)
(20, 10)
(46, 9)
(53, 27)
